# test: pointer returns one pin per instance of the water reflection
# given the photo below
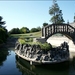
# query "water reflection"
(11, 65)
(73, 63)
(53, 69)
(3, 55)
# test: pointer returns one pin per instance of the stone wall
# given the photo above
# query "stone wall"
(35, 52)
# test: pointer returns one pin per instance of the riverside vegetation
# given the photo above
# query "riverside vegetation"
(3, 32)
(43, 46)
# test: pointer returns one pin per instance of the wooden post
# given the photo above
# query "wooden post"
(63, 28)
(42, 32)
(54, 28)
(67, 27)
(31, 63)
(45, 32)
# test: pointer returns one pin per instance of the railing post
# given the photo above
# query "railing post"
(48, 31)
(67, 28)
(63, 28)
(42, 32)
(51, 29)
(54, 28)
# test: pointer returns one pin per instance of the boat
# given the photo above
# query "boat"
(36, 56)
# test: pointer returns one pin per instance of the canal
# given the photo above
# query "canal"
(10, 64)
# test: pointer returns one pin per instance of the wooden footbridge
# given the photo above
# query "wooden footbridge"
(64, 29)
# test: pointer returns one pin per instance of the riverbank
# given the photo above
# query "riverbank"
(11, 42)
(1, 45)
(54, 40)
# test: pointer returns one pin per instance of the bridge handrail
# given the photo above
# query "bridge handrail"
(65, 29)
(71, 26)
(58, 25)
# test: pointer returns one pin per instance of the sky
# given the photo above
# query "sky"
(33, 13)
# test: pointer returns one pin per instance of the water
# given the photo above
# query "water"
(10, 64)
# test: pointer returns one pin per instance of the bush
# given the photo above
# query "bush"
(14, 31)
(24, 30)
(31, 39)
(1, 41)
(34, 30)
(21, 41)
(3, 34)
(45, 46)
(21, 37)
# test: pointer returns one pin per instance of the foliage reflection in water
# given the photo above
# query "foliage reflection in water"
(53, 69)
(7, 63)
(3, 55)
(10, 64)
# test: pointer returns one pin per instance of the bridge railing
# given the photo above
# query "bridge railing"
(57, 28)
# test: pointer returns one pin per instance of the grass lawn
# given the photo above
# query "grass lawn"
(35, 34)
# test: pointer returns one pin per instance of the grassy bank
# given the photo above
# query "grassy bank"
(27, 35)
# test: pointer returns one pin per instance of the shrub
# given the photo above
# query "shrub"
(45, 46)
(14, 31)
(30, 39)
(1, 41)
(27, 39)
(21, 41)
(21, 37)
(3, 34)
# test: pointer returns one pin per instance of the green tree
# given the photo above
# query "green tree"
(45, 24)
(39, 28)
(24, 30)
(2, 22)
(56, 13)
(3, 30)
(14, 31)
(34, 30)
(74, 17)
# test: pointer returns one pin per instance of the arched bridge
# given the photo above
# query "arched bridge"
(65, 29)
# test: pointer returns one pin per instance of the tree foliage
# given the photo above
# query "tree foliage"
(14, 31)
(2, 22)
(35, 29)
(56, 13)
(3, 34)
(3, 31)
(38, 28)
(74, 18)
(45, 24)
(24, 30)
